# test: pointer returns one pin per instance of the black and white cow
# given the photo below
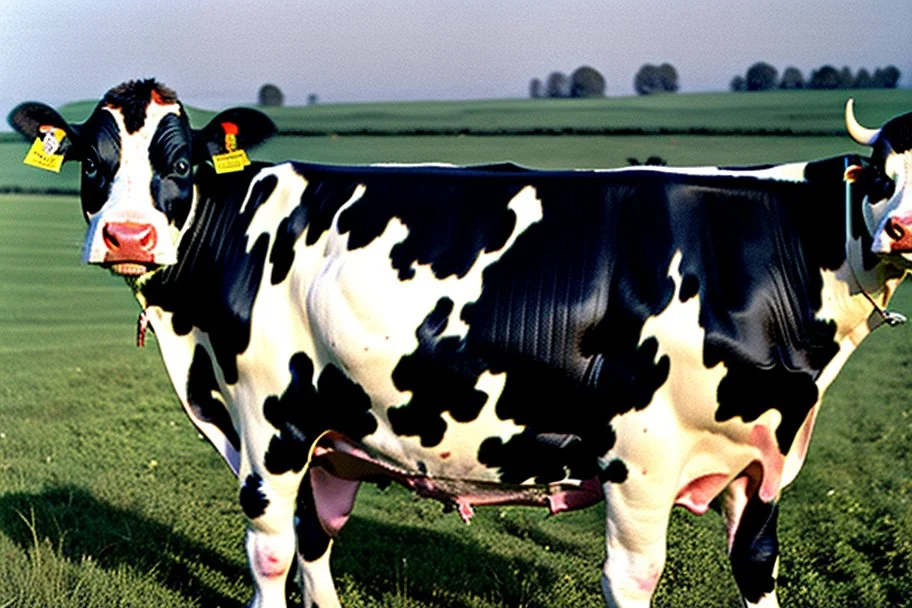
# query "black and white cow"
(649, 337)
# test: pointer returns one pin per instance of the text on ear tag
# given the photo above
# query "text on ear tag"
(230, 162)
(44, 153)
(234, 159)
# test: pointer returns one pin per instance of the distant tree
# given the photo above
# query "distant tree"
(312, 99)
(652, 161)
(558, 85)
(863, 79)
(651, 79)
(586, 81)
(738, 84)
(886, 78)
(846, 78)
(791, 79)
(761, 77)
(271, 96)
(536, 88)
(669, 77)
(825, 77)
(647, 80)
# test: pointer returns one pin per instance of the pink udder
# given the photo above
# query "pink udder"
(589, 493)
(334, 499)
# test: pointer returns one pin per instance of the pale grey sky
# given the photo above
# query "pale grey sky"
(218, 52)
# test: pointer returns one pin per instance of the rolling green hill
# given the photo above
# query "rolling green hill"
(811, 112)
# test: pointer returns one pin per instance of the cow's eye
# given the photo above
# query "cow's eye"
(181, 168)
(89, 168)
(881, 188)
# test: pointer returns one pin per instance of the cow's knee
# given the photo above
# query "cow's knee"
(270, 540)
(629, 580)
(270, 554)
(754, 553)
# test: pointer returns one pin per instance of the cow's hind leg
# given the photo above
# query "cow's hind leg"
(753, 545)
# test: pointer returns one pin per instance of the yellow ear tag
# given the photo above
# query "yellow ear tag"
(234, 159)
(43, 153)
(230, 162)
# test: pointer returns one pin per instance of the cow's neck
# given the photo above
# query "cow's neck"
(859, 297)
(212, 286)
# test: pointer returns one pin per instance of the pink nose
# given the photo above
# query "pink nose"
(129, 241)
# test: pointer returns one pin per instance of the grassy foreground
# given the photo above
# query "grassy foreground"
(108, 497)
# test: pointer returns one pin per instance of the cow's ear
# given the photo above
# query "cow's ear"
(858, 171)
(35, 120)
(855, 174)
(234, 129)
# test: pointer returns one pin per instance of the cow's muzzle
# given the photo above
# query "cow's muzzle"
(130, 247)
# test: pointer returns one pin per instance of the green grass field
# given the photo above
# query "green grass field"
(108, 497)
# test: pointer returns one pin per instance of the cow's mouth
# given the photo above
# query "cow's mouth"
(131, 269)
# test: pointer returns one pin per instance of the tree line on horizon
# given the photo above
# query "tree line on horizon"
(762, 76)
(587, 81)
(271, 96)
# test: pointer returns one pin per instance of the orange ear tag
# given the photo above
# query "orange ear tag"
(44, 151)
(234, 159)
(853, 173)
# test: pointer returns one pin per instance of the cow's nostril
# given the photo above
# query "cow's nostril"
(110, 238)
(895, 230)
(147, 239)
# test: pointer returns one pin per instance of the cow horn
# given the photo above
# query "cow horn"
(860, 134)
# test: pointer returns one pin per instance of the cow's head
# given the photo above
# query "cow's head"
(886, 182)
(138, 155)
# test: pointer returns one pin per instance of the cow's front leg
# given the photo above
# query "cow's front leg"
(753, 544)
(636, 534)
(268, 502)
